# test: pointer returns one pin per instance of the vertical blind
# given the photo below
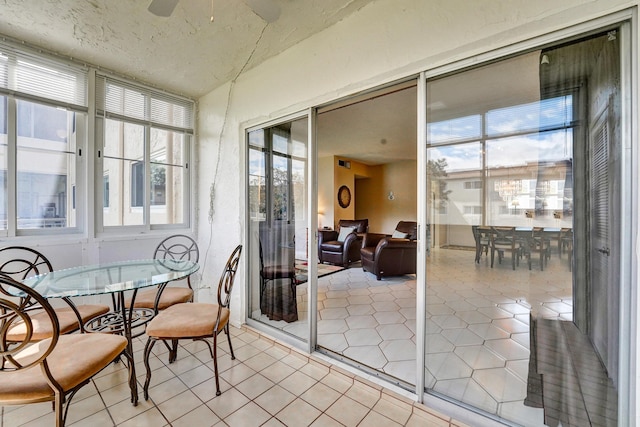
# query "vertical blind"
(26, 73)
(137, 103)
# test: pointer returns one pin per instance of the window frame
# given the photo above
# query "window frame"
(22, 72)
(144, 117)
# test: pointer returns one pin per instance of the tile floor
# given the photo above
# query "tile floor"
(477, 325)
(269, 384)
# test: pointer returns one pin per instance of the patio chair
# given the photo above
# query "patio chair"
(276, 243)
(196, 321)
(20, 262)
(177, 247)
(55, 368)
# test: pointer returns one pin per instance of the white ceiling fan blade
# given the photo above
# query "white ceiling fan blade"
(265, 9)
(162, 8)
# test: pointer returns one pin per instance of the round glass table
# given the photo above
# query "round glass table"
(114, 278)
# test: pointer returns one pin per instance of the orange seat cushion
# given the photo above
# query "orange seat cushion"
(75, 358)
(42, 327)
(170, 296)
(187, 321)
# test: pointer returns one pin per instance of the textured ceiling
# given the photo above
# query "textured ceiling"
(184, 53)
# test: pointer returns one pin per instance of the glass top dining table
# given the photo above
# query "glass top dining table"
(110, 278)
(114, 278)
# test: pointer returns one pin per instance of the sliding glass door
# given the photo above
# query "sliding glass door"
(523, 293)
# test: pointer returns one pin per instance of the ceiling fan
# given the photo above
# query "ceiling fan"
(265, 9)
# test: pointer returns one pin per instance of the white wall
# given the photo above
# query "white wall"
(384, 41)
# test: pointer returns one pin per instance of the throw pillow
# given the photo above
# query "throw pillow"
(344, 232)
(399, 235)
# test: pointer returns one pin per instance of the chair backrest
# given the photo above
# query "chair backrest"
(503, 236)
(225, 286)
(277, 244)
(178, 247)
(20, 262)
(361, 225)
(12, 314)
(410, 228)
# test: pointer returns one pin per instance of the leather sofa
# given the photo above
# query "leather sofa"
(332, 250)
(386, 255)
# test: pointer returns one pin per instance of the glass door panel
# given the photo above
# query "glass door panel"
(522, 289)
(278, 226)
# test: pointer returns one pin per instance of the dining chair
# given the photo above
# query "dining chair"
(504, 239)
(176, 247)
(482, 237)
(540, 245)
(196, 321)
(565, 242)
(20, 262)
(55, 368)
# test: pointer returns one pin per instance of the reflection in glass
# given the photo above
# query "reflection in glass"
(522, 317)
(278, 225)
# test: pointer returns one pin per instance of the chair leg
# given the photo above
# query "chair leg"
(226, 331)
(147, 352)
(493, 254)
(173, 351)
(57, 407)
(215, 362)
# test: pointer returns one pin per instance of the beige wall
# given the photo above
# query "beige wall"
(325, 192)
(372, 199)
(370, 187)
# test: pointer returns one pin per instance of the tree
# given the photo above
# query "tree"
(436, 172)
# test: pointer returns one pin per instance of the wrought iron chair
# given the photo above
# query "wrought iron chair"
(19, 262)
(195, 321)
(277, 268)
(178, 247)
(55, 368)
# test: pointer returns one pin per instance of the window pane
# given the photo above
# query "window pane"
(526, 179)
(540, 115)
(257, 189)
(123, 170)
(45, 166)
(3, 162)
(167, 177)
(458, 129)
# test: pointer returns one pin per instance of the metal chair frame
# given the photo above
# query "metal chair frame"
(11, 313)
(26, 262)
(225, 287)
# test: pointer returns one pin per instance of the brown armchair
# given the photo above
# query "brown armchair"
(391, 255)
(342, 250)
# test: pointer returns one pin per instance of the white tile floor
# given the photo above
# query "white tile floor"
(269, 384)
(477, 325)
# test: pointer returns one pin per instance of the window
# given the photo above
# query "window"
(105, 191)
(521, 155)
(144, 141)
(43, 105)
(473, 210)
